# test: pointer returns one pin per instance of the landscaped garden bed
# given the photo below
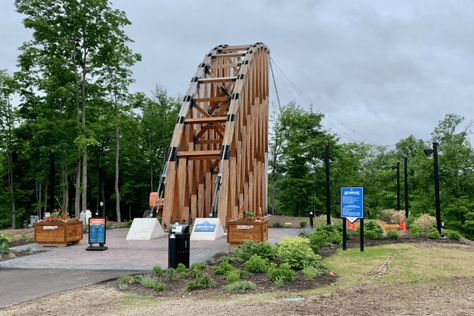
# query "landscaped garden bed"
(291, 265)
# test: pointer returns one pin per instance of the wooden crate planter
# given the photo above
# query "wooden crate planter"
(58, 233)
(238, 232)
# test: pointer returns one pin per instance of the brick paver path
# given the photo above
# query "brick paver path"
(123, 254)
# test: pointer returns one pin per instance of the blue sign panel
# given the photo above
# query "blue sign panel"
(352, 202)
(204, 227)
(96, 231)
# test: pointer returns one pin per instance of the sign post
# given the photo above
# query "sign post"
(97, 229)
(352, 209)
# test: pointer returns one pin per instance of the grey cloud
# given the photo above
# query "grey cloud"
(385, 68)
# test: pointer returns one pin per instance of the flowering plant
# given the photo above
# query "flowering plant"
(247, 217)
(60, 216)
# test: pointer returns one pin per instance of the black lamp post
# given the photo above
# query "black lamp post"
(328, 189)
(405, 176)
(434, 152)
(397, 167)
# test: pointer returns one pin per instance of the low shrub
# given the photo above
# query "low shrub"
(170, 273)
(280, 274)
(5, 244)
(223, 267)
(159, 287)
(151, 283)
(425, 221)
(372, 230)
(25, 239)
(303, 224)
(314, 272)
(241, 286)
(256, 264)
(278, 225)
(196, 268)
(323, 236)
(248, 248)
(416, 231)
(232, 276)
(200, 282)
(182, 270)
(127, 224)
(410, 221)
(393, 216)
(393, 234)
(157, 271)
(125, 280)
(453, 234)
(296, 251)
(434, 233)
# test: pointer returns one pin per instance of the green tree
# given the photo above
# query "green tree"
(78, 56)
(7, 125)
(302, 140)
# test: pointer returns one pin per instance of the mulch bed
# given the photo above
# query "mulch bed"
(177, 287)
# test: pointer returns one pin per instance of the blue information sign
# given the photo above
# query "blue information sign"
(352, 202)
(205, 227)
(96, 231)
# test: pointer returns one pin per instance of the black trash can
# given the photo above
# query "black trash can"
(178, 245)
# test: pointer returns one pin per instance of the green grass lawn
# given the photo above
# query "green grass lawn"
(406, 263)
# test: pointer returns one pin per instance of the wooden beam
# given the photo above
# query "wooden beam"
(229, 55)
(206, 120)
(217, 79)
(212, 99)
(199, 154)
(209, 141)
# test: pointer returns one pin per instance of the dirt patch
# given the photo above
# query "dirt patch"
(91, 300)
(450, 297)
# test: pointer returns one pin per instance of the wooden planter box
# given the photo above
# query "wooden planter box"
(58, 233)
(238, 232)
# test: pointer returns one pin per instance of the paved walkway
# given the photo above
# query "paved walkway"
(122, 254)
(65, 268)
(21, 285)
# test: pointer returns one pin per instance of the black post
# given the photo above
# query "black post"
(398, 186)
(344, 234)
(405, 176)
(328, 189)
(311, 219)
(52, 178)
(361, 234)
(436, 183)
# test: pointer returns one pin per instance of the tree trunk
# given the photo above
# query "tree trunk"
(11, 188)
(65, 186)
(117, 167)
(84, 179)
(38, 199)
(77, 199)
(83, 120)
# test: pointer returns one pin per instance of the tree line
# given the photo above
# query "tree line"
(72, 134)
(297, 173)
(77, 136)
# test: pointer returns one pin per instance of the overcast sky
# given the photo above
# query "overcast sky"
(379, 70)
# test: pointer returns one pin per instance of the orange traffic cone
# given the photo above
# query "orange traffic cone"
(403, 226)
